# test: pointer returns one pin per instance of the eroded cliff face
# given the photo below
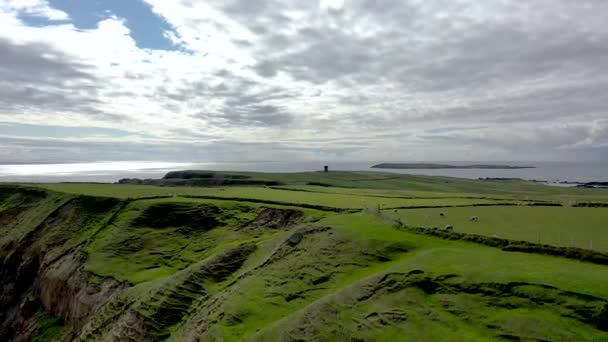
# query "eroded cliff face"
(46, 293)
(62, 290)
(42, 237)
(65, 291)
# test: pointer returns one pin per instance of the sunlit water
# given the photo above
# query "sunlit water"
(113, 171)
(85, 172)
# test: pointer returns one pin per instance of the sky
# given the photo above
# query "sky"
(230, 80)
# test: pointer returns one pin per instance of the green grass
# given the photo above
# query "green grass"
(479, 263)
(368, 183)
(349, 278)
(334, 200)
(425, 318)
(375, 192)
(158, 247)
(47, 328)
(260, 300)
(21, 210)
(558, 226)
(386, 181)
(139, 253)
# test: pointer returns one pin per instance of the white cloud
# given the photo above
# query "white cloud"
(359, 78)
(331, 4)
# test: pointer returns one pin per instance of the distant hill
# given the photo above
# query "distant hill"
(200, 178)
(445, 166)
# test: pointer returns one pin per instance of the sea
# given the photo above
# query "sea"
(554, 173)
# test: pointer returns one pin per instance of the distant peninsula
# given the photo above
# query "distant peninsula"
(445, 166)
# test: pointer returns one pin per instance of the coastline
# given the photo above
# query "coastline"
(552, 173)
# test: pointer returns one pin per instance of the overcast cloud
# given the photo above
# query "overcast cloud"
(338, 79)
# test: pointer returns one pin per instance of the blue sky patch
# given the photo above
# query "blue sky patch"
(38, 21)
(147, 29)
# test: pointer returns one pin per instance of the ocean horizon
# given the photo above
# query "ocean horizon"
(112, 171)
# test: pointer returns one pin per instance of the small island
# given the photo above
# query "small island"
(445, 166)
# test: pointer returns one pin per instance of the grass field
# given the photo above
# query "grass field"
(427, 314)
(335, 200)
(261, 264)
(558, 226)
(371, 183)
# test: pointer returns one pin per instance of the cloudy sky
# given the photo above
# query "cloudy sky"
(389, 80)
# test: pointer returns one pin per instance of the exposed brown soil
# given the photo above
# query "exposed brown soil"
(65, 291)
(62, 289)
(223, 265)
(39, 275)
(190, 218)
(130, 327)
(273, 218)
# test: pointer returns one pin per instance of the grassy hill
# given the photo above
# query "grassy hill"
(335, 256)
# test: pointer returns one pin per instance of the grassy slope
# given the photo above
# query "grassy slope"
(480, 263)
(318, 289)
(138, 253)
(20, 206)
(426, 318)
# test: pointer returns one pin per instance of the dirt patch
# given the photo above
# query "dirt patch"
(8, 217)
(396, 281)
(273, 218)
(223, 265)
(61, 289)
(65, 292)
(190, 218)
(130, 327)
(390, 317)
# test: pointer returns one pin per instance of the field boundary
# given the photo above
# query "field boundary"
(507, 245)
(510, 204)
(591, 205)
(413, 197)
(290, 204)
